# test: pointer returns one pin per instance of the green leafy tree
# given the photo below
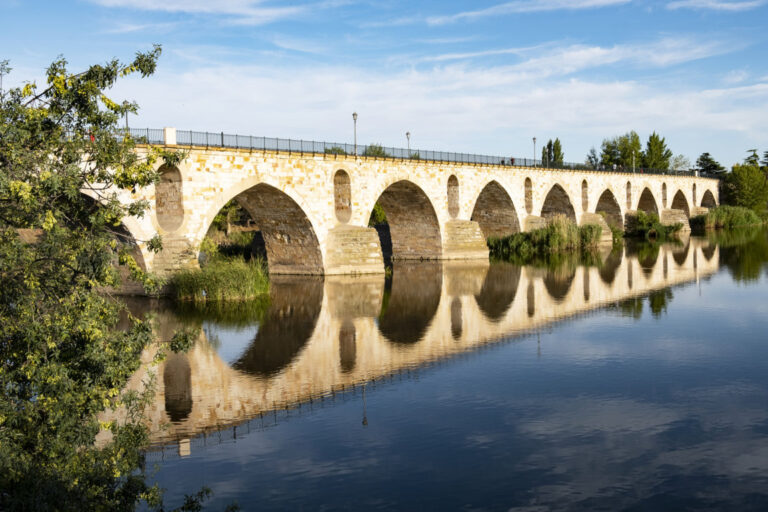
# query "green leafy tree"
(375, 150)
(657, 155)
(62, 360)
(708, 165)
(746, 186)
(680, 163)
(622, 151)
(592, 160)
(752, 158)
(609, 152)
(764, 162)
(552, 153)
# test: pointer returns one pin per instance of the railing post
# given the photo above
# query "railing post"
(222, 139)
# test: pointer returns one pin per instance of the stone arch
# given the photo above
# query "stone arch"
(413, 226)
(177, 387)
(453, 196)
(708, 200)
(169, 194)
(557, 202)
(693, 194)
(679, 202)
(342, 196)
(584, 196)
(663, 195)
(294, 307)
(456, 326)
(647, 202)
(629, 196)
(347, 346)
(498, 290)
(609, 207)
(495, 212)
(558, 282)
(528, 195)
(289, 238)
(414, 295)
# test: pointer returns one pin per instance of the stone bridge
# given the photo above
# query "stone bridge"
(320, 336)
(313, 208)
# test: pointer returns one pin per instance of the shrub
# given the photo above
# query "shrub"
(335, 150)
(649, 226)
(726, 217)
(222, 279)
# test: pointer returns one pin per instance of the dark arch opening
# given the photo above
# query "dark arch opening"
(287, 326)
(663, 195)
(680, 254)
(708, 200)
(679, 202)
(610, 266)
(453, 196)
(528, 195)
(347, 346)
(495, 212)
(177, 387)
(629, 196)
(412, 228)
(279, 230)
(411, 297)
(647, 203)
(693, 194)
(557, 202)
(499, 290)
(169, 206)
(456, 318)
(584, 196)
(608, 206)
(342, 196)
(558, 282)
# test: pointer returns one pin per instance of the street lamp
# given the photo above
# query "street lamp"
(534, 151)
(408, 136)
(354, 119)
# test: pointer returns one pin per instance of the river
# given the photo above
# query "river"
(637, 382)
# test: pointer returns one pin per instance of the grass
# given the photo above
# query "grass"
(560, 236)
(649, 227)
(226, 274)
(727, 217)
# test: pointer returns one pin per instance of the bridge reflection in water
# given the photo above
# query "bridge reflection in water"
(322, 336)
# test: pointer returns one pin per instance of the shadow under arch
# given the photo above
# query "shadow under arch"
(609, 207)
(708, 200)
(411, 298)
(495, 212)
(499, 290)
(288, 236)
(558, 202)
(680, 253)
(177, 387)
(679, 202)
(412, 225)
(647, 202)
(288, 324)
(610, 265)
(558, 282)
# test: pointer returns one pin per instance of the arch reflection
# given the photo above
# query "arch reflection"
(411, 297)
(499, 290)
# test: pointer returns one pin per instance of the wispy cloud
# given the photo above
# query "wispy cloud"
(524, 6)
(717, 5)
(128, 28)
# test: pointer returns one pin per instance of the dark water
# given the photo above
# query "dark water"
(637, 384)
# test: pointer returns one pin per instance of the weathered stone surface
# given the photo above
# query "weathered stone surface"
(353, 250)
(606, 237)
(464, 240)
(672, 216)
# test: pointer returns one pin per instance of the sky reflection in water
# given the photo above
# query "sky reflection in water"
(613, 407)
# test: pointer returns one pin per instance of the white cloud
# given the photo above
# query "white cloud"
(718, 5)
(736, 76)
(524, 6)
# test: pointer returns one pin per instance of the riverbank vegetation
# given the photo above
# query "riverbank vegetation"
(726, 217)
(63, 360)
(561, 235)
(649, 227)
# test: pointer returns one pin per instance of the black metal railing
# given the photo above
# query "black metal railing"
(253, 143)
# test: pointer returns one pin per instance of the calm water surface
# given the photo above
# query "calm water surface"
(640, 383)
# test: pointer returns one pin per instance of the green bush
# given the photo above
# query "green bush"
(649, 226)
(335, 150)
(222, 279)
(726, 217)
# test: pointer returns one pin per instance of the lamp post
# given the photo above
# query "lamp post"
(408, 136)
(354, 120)
(534, 151)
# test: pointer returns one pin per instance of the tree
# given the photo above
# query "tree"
(680, 163)
(764, 162)
(62, 360)
(552, 153)
(592, 160)
(656, 155)
(708, 165)
(752, 158)
(746, 186)
(609, 152)
(375, 150)
(624, 150)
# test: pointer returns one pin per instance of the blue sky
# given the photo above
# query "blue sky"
(481, 77)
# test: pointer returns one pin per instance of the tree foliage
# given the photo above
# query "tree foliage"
(552, 153)
(657, 155)
(592, 159)
(622, 151)
(746, 185)
(708, 165)
(62, 360)
(375, 150)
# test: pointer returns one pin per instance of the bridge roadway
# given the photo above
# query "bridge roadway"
(313, 208)
(324, 335)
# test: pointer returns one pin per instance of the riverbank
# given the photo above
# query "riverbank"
(728, 217)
